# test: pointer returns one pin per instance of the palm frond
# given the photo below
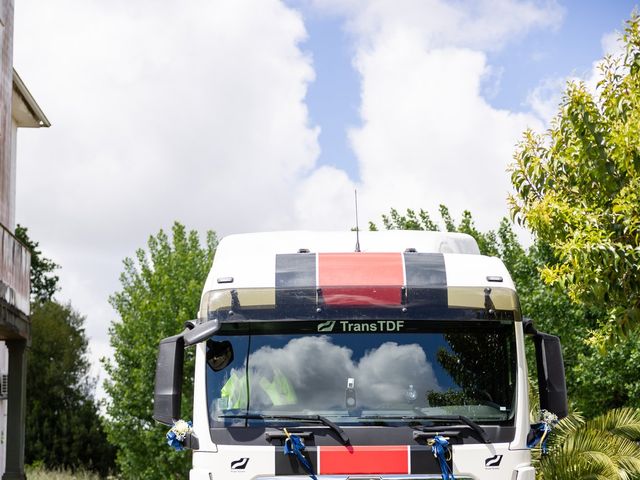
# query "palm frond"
(566, 427)
(581, 455)
(596, 449)
(624, 422)
(631, 466)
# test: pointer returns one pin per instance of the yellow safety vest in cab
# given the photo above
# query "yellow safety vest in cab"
(279, 390)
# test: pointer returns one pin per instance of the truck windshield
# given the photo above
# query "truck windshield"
(361, 372)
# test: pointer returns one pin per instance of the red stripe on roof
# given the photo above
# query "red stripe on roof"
(364, 459)
(361, 278)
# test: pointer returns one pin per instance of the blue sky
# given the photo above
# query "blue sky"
(568, 50)
(334, 97)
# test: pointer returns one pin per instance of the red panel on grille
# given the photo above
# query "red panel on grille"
(360, 278)
(366, 459)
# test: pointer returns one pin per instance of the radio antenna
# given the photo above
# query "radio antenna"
(357, 228)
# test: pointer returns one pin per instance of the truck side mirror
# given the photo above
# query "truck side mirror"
(551, 379)
(168, 390)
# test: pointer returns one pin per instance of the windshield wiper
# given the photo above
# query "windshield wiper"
(435, 418)
(298, 418)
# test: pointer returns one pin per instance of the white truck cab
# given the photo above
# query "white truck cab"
(365, 355)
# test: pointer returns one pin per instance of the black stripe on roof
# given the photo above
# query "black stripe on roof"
(426, 279)
(296, 279)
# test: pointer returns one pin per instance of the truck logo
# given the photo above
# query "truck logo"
(384, 326)
(327, 326)
(493, 462)
(239, 464)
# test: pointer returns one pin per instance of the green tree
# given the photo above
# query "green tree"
(487, 242)
(161, 289)
(409, 221)
(602, 380)
(577, 187)
(44, 283)
(63, 425)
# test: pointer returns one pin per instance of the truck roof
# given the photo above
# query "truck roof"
(435, 261)
(345, 241)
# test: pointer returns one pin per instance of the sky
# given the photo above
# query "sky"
(239, 116)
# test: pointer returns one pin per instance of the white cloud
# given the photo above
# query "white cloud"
(160, 120)
(428, 133)
(480, 24)
(326, 200)
(612, 43)
(492, 81)
(545, 98)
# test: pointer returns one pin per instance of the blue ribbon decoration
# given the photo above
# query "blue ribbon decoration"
(440, 450)
(175, 438)
(542, 429)
(173, 441)
(294, 445)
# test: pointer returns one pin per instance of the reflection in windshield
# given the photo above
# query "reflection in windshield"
(318, 372)
(473, 363)
(350, 375)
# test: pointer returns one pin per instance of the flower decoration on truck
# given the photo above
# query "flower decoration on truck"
(178, 433)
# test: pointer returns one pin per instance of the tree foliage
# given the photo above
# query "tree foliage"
(63, 425)
(577, 187)
(487, 242)
(44, 283)
(603, 380)
(161, 289)
(471, 362)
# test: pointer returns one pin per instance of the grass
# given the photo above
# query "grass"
(38, 472)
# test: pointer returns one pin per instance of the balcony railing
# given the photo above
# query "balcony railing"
(15, 265)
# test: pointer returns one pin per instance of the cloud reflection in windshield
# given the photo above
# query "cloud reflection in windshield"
(318, 371)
